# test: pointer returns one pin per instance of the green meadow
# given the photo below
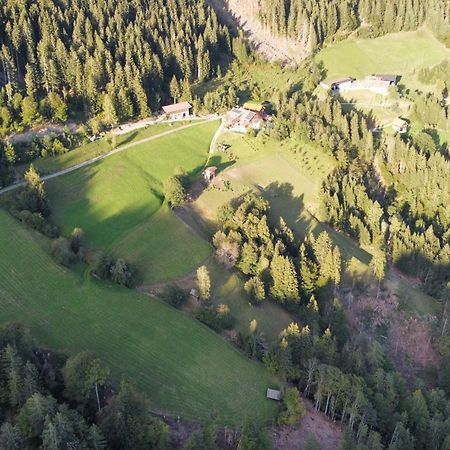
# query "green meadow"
(401, 53)
(183, 367)
(100, 147)
(119, 203)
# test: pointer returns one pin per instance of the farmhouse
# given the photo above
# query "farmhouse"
(250, 116)
(273, 394)
(177, 110)
(400, 126)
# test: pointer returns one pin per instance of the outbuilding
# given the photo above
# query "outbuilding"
(392, 80)
(342, 84)
(209, 173)
(273, 394)
(254, 106)
(400, 126)
(177, 110)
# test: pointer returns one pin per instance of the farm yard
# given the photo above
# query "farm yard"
(118, 202)
(402, 53)
(183, 367)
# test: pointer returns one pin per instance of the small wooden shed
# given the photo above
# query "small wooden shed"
(209, 173)
(273, 394)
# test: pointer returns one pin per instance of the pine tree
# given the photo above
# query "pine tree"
(284, 279)
(175, 90)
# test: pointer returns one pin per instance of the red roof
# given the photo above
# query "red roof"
(177, 107)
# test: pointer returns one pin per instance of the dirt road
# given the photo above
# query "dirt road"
(98, 158)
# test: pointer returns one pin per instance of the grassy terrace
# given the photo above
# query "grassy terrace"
(118, 202)
(100, 147)
(182, 366)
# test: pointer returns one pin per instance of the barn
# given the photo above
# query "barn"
(177, 110)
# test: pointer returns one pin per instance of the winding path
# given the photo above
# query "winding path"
(106, 155)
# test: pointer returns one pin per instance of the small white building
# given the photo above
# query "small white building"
(400, 126)
(177, 110)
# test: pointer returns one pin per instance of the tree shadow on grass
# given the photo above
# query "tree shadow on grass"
(284, 203)
(128, 138)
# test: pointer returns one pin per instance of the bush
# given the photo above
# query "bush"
(37, 222)
(294, 409)
(218, 319)
(102, 265)
(62, 252)
(122, 273)
(175, 296)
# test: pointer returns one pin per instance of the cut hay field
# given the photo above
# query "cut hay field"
(118, 202)
(400, 53)
(102, 146)
(181, 365)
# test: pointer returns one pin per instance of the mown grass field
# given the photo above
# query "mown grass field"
(105, 145)
(181, 365)
(401, 53)
(118, 202)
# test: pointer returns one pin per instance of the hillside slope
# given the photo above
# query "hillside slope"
(244, 14)
(182, 366)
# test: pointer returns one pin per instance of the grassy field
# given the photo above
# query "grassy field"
(400, 53)
(182, 366)
(97, 148)
(118, 202)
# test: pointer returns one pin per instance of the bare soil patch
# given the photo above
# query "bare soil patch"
(41, 131)
(315, 425)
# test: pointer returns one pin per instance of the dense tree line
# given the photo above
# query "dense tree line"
(349, 378)
(314, 23)
(356, 385)
(276, 266)
(113, 60)
(50, 401)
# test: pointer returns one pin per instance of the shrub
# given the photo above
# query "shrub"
(294, 409)
(175, 296)
(102, 265)
(175, 192)
(62, 252)
(218, 319)
(122, 273)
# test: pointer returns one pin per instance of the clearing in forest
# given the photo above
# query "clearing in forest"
(400, 54)
(118, 202)
(181, 365)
